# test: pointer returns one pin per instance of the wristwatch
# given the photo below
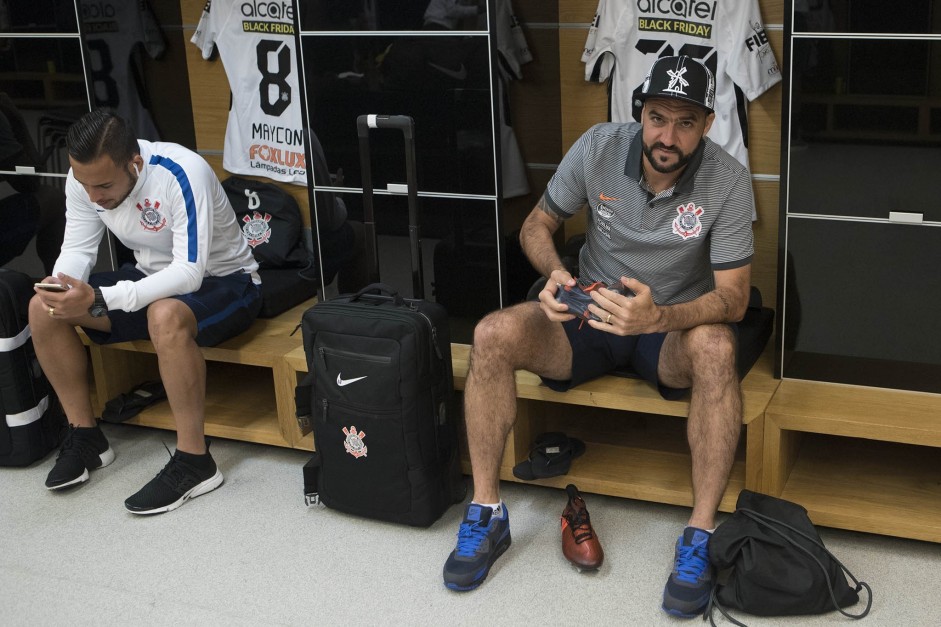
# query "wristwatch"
(98, 307)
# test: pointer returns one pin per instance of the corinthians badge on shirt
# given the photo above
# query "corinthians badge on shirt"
(150, 217)
(687, 224)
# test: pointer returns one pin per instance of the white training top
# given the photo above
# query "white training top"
(627, 36)
(177, 221)
(264, 135)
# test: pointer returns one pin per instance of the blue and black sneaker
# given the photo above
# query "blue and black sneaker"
(690, 584)
(480, 541)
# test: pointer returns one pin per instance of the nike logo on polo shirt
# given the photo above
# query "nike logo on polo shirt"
(341, 381)
(604, 198)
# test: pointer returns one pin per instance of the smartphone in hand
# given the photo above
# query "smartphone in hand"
(52, 287)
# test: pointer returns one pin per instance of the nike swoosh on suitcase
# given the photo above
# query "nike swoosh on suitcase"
(341, 381)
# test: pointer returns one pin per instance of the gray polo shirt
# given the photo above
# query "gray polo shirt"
(671, 242)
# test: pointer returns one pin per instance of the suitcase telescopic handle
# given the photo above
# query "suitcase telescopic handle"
(405, 124)
(372, 120)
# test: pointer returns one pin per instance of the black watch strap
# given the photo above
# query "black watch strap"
(98, 307)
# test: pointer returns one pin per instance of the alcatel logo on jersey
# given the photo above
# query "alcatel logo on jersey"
(273, 10)
(687, 224)
(150, 217)
(679, 8)
(97, 10)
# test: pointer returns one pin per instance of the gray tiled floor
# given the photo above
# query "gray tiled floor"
(251, 553)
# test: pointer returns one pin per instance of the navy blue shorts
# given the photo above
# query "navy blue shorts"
(596, 353)
(224, 306)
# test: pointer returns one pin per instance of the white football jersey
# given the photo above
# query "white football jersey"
(264, 135)
(115, 30)
(513, 53)
(627, 36)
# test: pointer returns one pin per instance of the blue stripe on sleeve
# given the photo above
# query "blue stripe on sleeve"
(192, 247)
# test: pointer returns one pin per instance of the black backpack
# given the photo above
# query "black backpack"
(270, 220)
(32, 421)
(772, 562)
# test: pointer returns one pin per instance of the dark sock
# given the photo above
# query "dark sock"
(202, 462)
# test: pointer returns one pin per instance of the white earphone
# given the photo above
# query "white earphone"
(136, 170)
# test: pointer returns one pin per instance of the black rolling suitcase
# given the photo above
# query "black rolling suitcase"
(382, 401)
(32, 421)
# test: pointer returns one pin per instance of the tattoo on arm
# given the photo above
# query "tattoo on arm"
(725, 303)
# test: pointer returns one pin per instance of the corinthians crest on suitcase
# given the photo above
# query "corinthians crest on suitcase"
(381, 398)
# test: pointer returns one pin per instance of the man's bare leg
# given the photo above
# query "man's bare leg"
(704, 360)
(63, 359)
(191, 472)
(506, 340)
(519, 337)
(182, 369)
(65, 364)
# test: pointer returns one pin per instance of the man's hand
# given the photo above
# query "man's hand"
(73, 303)
(555, 311)
(625, 315)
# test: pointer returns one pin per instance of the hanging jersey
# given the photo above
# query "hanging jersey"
(512, 53)
(264, 135)
(116, 31)
(627, 36)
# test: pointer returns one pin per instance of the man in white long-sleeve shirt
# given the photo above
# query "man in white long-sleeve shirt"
(195, 284)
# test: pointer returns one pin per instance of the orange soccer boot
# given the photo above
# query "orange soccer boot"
(580, 545)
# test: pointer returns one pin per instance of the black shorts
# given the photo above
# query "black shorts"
(596, 353)
(224, 306)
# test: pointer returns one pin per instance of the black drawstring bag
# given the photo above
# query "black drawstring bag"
(771, 562)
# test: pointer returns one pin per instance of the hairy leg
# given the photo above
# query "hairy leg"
(519, 337)
(62, 356)
(703, 358)
(172, 328)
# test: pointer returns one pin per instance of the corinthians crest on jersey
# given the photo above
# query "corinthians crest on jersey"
(150, 216)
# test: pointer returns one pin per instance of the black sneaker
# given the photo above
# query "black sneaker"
(84, 449)
(480, 541)
(690, 584)
(178, 482)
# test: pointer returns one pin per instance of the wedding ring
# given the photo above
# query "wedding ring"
(608, 321)
(52, 311)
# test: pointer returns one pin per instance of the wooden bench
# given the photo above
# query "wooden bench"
(631, 455)
(624, 456)
(249, 385)
(857, 458)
